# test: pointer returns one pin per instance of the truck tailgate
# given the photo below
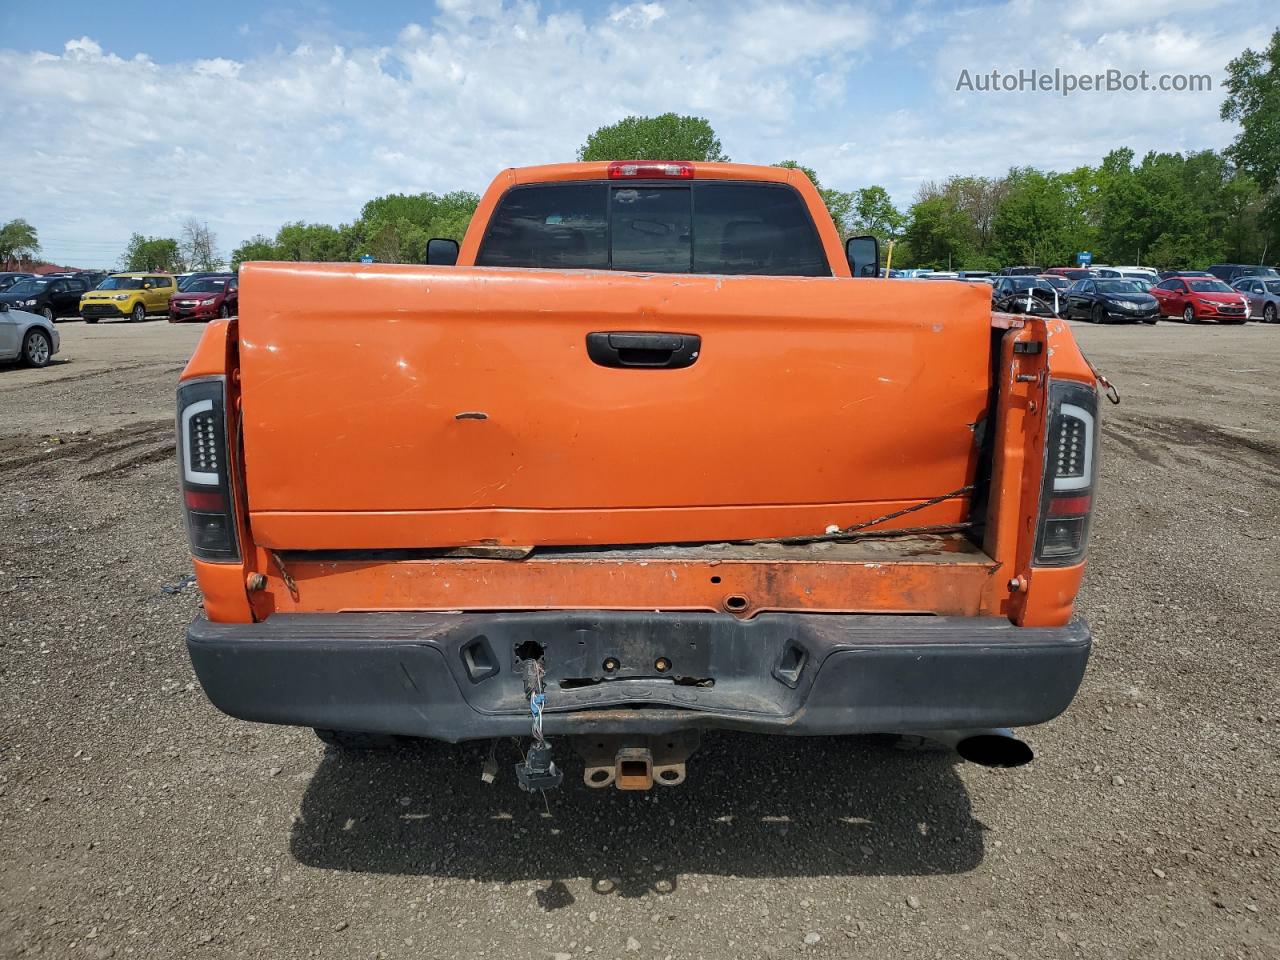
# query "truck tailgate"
(404, 406)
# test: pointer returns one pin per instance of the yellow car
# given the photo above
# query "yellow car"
(129, 295)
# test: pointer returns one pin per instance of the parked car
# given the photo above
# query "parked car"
(1263, 295)
(1229, 272)
(1142, 281)
(1200, 298)
(51, 297)
(10, 277)
(1110, 273)
(30, 338)
(1106, 300)
(206, 297)
(1166, 274)
(185, 279)
(1129, 271)
(1023, 271)
(1071, 273)
(291, 442)
(128, 295)
(1018, 294)
(90, 278)
(1058, 282)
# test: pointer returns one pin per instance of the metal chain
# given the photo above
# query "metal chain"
(289, 582)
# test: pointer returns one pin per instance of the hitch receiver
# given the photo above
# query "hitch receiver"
(635, 763)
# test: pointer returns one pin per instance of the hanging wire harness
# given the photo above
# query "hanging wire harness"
(537, 771)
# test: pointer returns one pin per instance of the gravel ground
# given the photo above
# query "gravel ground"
(135, 820)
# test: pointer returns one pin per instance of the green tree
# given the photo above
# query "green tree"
(666, 137)
(152, 253)
(1033, 224)
(256, 247)
(315, 242)
(18, 242)
(874, 213)
(1253, 87)
(395, 228)
(938, 234)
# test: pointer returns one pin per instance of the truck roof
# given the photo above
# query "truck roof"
(599, 170)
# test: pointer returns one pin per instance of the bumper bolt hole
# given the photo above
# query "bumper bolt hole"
(736, 602)
(610, 664)
(662, 665)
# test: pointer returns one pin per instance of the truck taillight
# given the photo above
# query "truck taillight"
(645, 170)
(205, 470)
(1070, 465)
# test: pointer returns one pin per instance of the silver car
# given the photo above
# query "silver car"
(1264, 296)
(27, 337)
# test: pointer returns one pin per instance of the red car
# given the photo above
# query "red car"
(203, 298)
(1200, 298)
(1071, 273)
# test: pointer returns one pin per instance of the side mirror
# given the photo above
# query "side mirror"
(442, 252)
(864, 256)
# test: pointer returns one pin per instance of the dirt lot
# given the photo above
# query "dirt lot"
(135, 820)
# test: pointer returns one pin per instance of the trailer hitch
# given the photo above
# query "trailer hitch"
(635, 763)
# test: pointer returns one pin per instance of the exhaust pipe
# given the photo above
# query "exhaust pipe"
(991, 747)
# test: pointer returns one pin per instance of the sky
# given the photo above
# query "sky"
(117, 119)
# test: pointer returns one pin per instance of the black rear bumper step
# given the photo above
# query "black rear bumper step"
(453, 676)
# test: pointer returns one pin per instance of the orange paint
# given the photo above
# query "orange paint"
(406, 407)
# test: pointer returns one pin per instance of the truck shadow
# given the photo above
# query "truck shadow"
(751, 807)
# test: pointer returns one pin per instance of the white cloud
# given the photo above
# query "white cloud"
(863, 94)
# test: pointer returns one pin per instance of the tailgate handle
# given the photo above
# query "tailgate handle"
(659, 351)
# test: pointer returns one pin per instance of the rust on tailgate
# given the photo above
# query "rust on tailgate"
(936, 575)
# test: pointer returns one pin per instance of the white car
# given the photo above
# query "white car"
(27, 337)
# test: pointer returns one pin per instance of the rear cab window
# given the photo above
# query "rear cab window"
(715, 227)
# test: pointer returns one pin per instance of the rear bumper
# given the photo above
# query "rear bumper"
(453, 676)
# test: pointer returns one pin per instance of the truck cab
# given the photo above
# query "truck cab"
(644, 455)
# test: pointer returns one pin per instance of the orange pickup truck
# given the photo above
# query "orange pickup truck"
(643, 456)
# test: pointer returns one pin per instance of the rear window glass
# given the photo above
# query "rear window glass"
(651, 228)
(204, 285)
(1118, 286)
(709, 227)
(561, 226)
